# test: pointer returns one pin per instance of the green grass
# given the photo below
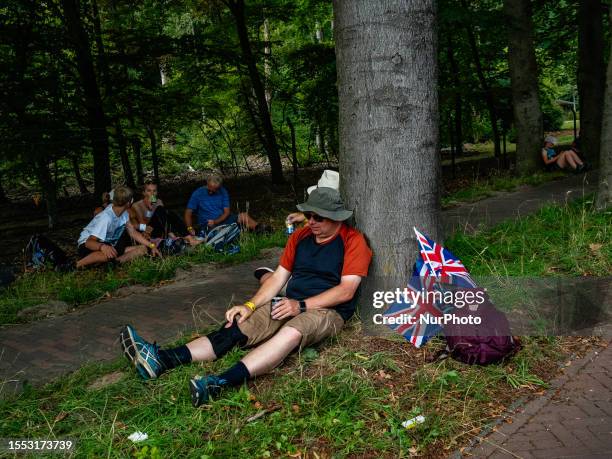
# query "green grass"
(569, 124)
(571, 239)
(86, 286)
(346, 398)
(483, 188)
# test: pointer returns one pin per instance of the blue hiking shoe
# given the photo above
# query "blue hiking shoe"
(203, 388)
(142, 354)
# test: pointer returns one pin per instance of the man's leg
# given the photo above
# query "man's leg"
(245, 219)
(132, 252)
(267, 356)
(151, 361)
(92, 259)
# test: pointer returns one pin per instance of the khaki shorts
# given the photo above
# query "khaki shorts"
(315, 325)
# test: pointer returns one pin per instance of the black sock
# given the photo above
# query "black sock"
(171, 358)
(235, 375)
(223, 340)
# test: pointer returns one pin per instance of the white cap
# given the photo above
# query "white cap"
(329, 179)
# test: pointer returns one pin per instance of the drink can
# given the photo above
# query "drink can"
(290, 228)
(153, 199)
(274, 302)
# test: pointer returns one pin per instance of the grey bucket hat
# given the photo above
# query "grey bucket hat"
(327, 203)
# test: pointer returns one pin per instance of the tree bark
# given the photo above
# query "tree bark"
(388, 129)
(138, 156)
(3, 197)
(77, 174)
(154, 158)
(294, 159)
(604, 192)
(458, 118)
(270, 145)
(125, 158)
(93, 102)
(591, 77)
(484, 84)
(524, 81)
(49, 190)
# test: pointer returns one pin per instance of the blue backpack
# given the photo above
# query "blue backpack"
(224, 238)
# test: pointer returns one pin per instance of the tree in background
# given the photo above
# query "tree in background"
(591, 75)
(389, 158)
(604, 192)
(524, 77)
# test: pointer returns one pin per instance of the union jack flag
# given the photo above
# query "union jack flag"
(442, 263)
(434, 267)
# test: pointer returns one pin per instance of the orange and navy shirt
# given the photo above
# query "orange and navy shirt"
(316, 267)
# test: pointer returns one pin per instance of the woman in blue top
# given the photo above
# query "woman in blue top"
(564, 160)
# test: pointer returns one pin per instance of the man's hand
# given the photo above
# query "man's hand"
(108, 250)
(155, 252)
(296, 217)
(286, 308)
(210, 223)
(240, 310)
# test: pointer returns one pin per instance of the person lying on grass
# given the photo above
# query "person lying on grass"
(323, 264)
(152, 219)
(212, 205)
(568, 159)
(109, 235)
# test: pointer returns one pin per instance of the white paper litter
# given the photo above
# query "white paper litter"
(138, 436)
(410, 423)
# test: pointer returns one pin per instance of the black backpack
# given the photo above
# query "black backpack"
(41, 252)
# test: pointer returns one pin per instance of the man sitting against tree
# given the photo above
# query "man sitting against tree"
(109, 235)
(211, 203)
(152, 219)
(324, 264)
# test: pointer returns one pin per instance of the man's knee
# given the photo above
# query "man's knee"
(224, 339)
(291, 335)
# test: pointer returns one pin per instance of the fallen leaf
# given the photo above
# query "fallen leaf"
(595, 248)
(258, 405)
(252, 398)
(295, 408)
(61, 416)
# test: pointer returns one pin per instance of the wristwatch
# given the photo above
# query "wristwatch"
(302, 306)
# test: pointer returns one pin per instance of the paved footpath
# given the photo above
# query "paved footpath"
(48, 348)
(572, 420)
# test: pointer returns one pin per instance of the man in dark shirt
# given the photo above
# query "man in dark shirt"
(323, 264)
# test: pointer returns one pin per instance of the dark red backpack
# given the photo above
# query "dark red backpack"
(489, 342)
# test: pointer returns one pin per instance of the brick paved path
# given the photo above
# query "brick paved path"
(572, 420)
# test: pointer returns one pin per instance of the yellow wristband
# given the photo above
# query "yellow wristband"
(250, 305)
(152, 245)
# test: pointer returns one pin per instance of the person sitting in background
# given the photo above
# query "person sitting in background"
(329, 179)
(565, 160)
(212, 205)
(107, 198)
(109, 235)
(152, 219)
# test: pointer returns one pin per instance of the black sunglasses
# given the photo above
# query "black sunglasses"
(315, 217)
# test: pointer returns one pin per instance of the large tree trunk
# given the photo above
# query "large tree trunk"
(93, 102)
(591, 77)
(270, 145)
(604, 192)
(388, 130)
(524, 79)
